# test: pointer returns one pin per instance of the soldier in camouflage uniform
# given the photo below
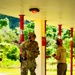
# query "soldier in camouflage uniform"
(30, 52)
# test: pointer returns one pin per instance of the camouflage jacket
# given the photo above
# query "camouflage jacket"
(30, 49)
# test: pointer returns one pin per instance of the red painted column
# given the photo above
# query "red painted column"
(45, 47)
(21, 31)
(59, 32)
(21, 28)
(71, 51)
(46, 56)
(44, 43)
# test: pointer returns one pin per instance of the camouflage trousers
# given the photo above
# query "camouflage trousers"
(28, 65)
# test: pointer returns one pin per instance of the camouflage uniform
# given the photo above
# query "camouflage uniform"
(30, 51)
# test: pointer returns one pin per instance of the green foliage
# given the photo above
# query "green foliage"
(74, 39)
(30, 25)
(13, 53)
(66, 44)
(52, 35)
(8, 33)
(65, 33)
(8, 51)
(3, 22)
(8, 63)
(28, 28)
(51, 31)
(13, 21)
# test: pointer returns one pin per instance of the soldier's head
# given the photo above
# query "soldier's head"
(31, 36)
(59, 42)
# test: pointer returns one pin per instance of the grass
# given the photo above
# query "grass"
(17, 72)
(54, 73)
(50, 69)
(9, 71)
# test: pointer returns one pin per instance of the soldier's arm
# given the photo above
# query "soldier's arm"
(36, 51)
(37, 47)
(24, 48)
(15, 42)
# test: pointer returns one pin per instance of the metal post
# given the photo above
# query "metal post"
(44, 42)
(21, 31)
(45, 47)
(21, 28)
(71, 52)
(59, 32)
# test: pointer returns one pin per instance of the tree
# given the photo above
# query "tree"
(52, 35)
(3, 22)
(13, 53)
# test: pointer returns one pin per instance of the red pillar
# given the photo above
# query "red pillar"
(71, 51)
(46, 56)
(45, 47)
(59, 32)
(44, 43)
(21, 28)
(21, 31)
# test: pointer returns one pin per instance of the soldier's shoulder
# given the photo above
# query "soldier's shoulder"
(35, 42)
(24, 42)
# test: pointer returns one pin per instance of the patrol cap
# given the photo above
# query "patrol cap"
(57, 42)
(32, 34)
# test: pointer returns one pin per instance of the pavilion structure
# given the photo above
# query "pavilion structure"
(59, 13)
